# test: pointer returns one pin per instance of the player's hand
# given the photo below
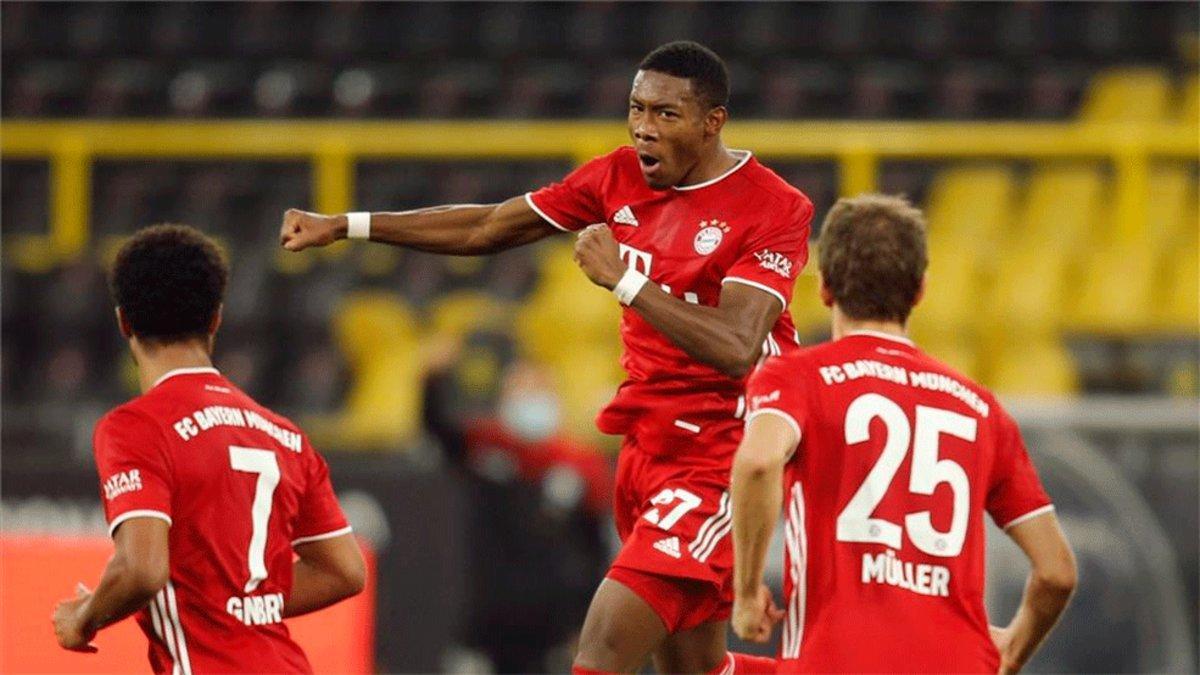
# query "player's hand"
(754, 617)
(302, 229)
(1002, 638)
(69, 627)
(597, 254)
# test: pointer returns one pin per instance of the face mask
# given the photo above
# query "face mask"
(532, 417)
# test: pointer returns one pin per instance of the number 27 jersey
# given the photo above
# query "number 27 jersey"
(239, 486)
(899, 457)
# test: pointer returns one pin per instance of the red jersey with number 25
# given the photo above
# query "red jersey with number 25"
(239, 486)
(747, 226)
(899, 458)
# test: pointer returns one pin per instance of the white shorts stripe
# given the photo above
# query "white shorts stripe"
(708, 524)
(168, 632)
(725, 526)
(184, 661)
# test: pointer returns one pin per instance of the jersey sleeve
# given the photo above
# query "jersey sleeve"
(320, 516)
(575, 202)
(1015, 493)
(774, 254)
(135, 475)
(773, 390)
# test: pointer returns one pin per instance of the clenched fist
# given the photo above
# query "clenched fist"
(753, 617)
(597, 254)
(302, 229)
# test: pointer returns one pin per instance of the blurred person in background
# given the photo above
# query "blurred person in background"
(702, 245)
(223, 515)
(884, 568)
(539, 503)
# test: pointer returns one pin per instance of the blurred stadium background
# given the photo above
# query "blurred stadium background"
(1054, 147)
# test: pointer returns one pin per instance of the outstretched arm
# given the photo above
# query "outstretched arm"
(728, 337)
(138, 569)
(1049, 587)
(461, 229)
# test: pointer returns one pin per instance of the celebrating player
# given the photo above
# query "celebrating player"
(702, 245)
(891, 458)
(207, 493)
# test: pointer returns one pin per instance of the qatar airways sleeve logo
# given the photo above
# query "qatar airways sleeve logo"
(757, 402)
(775, 262)
(122, 482)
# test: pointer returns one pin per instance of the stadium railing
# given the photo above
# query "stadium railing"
(333, 147)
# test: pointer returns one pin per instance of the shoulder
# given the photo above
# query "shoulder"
(786, 369)
(978, 394)
(130, 416)
(624, 157)
(768, 184)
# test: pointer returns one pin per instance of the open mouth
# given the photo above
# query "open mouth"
(649, 162)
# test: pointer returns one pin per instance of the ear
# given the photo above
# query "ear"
(826, 294)
(715, 120)
(123, 324)
(920, 291)
(216, 320)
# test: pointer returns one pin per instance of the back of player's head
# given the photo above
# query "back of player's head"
(169, 281)
(694, 61)
(873, 256)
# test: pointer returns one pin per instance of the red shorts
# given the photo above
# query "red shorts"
(674, 519)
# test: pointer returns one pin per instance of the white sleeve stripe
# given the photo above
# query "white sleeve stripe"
(778, 413)
(761, 287)
(137, 513)
(319, 537)
(1028, 516)
(548, 219)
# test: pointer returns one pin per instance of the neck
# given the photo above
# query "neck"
(714, 162)
(157, 360)
(844, 325)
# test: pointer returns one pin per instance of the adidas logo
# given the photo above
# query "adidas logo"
(670, 546)
(625, 216)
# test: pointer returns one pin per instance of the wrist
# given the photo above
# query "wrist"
(628, 286)
(341, 226)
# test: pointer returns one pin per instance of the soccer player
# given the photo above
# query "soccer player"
(891, 458)
(208, 495)
(702, 245)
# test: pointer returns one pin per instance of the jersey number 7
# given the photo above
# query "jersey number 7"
(263, 463)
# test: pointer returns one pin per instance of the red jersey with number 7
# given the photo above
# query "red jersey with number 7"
(239, 486)
(747, 226)
(899, 458)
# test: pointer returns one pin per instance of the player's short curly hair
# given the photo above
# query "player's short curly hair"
(701, 65)
(169, 281)
(872, 255)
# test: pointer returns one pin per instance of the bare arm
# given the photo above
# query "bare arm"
(728, 337)
(139, 568)
(756, 490)
(1051, 582)
(328, 570)
(462, 229)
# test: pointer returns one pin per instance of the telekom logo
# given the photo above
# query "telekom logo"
(638, 261)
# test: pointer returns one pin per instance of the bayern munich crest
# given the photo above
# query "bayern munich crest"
(710, 235)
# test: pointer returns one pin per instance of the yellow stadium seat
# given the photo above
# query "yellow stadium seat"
(1178, 293)
(1128, 95)
(1189, 101)
(1118, 280)
(378, 335)
(1036, 364)
(1059, 215)
(460, 313)
(566, 312)
(807, 310)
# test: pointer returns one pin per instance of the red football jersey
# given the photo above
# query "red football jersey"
(240, 486)
(746, 226)
(899, 457)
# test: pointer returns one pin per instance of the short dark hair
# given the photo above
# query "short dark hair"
(873, 256)
(169, 281)
(701, 65)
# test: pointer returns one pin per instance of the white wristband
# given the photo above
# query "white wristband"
(629, 286)
(358, 225)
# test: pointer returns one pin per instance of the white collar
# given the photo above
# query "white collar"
(185, 371)
(742, 162)
(883, 336)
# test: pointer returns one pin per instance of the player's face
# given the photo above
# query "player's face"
(667, 125)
